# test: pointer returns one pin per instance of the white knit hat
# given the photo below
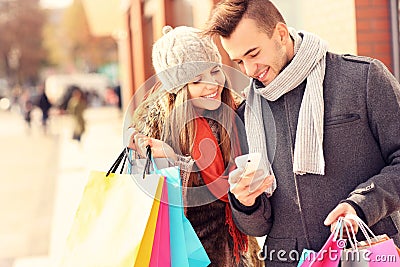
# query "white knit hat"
(181, 54)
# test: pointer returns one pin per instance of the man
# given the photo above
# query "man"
(45, 105)
(330, 127)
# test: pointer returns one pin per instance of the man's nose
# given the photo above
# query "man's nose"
(249, 69)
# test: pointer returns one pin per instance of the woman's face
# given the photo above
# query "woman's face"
(205, 89)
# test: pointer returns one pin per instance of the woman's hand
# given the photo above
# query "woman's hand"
(159, 149)
(131, 132)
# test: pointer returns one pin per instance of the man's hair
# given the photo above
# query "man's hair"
(228, 13)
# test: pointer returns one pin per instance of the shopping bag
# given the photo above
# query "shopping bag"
(144, 248)
(329, 254)
(306, 253)
(375, 251)
(354, 258)
(377, 239)
(111, 220)
(382, 253)
(161, 251)
(186, 248)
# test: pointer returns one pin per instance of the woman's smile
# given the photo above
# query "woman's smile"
(213, 95)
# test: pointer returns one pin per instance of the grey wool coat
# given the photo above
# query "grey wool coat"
(362, 157)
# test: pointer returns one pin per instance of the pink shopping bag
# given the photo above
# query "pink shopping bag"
(381, 254)
(329, 254)
(375, 251)
(384, 254)
(161, 251)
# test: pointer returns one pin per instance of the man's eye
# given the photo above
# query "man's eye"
(256, 54)
(214, 71)
(239, 62)
(196, 82)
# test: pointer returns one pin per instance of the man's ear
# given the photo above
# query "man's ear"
(282, 31)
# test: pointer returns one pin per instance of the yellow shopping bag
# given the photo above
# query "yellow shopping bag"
(144, 248)
(114, 222)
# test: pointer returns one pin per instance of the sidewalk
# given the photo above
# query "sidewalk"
(59, 168)
(101, 146)
(27, 189)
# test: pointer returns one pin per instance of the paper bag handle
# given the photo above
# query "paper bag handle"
(121, 158)
(149, 160)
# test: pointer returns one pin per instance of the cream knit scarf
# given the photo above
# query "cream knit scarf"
(308, 63)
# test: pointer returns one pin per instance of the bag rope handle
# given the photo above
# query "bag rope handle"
(148, 161)
(352, 239)
(121, 158)
(367, 232)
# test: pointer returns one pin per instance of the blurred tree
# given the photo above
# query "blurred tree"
(88, 52)
(21, 49)
(54, 40)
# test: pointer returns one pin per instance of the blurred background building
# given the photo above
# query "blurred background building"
(360, 27)
(114, 37)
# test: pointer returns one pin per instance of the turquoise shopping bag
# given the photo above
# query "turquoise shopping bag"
(186, 248)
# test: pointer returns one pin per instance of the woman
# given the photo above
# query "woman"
(190, 117)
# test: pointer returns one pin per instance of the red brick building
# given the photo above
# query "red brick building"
(376, 32)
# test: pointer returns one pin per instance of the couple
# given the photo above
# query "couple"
(327, 124)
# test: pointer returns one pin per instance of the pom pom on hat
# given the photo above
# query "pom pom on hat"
(166, 29)
(181, 54)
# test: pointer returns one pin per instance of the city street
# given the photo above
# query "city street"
(42, 179)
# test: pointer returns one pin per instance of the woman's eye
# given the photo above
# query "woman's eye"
(239, 62)
(214, 71)
(196, 82)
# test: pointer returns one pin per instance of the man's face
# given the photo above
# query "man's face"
(257, 55)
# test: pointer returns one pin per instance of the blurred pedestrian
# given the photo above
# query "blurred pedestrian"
(76, 107)
(44, 105)
(27, 112)
(26, 107)
(117, 91)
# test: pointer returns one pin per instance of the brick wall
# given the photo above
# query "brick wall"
(374, 30)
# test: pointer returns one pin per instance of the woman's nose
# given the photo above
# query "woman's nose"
(211, 81)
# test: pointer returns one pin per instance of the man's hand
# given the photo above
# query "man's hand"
(342, 210)
(240, 186)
